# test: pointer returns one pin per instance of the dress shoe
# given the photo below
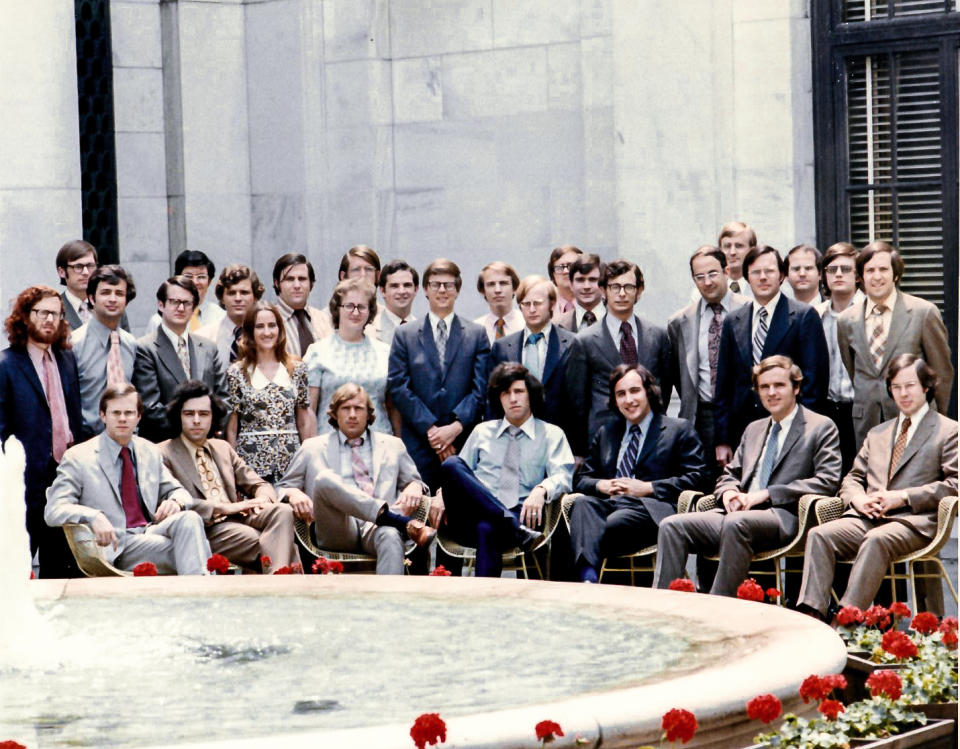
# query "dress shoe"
(419, 533)
(528, 538)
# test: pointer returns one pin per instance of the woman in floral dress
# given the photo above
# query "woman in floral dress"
(267, 395)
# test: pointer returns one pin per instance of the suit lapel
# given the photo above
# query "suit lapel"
(168, 357)
(650, 440)
(742, 325)
(427, 342)
(106, 465)
(378, 449)
(613, 448)
(28, 372)
(924, 432)
(861, 342)
(796, 430)
(226, 471)
(185, 466)
(333, 451)
(553, 352)
(690, 330)
(453, 345)
(899, 322)
(196, 350)
(73, 319)
(608, 348)
(751, 453)
(779, 325)
(148, 493)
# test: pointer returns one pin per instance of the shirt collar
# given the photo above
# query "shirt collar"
(36, 352)
(395, 318)
(343, 438)
(174, 338)
(527, 333)
(192, 446)
(113, 447)
(644, 423)
(787, 420)
(888, 302)
(75, 301)
(258, 380)
(287, 311)
(769, 306)
(916, 418)
(434, 320)
(613, 325)
(528, 427)
(101, 331)
(725, 302)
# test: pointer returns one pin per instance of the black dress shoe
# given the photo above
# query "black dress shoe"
(528, 538)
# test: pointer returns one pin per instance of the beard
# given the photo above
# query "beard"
(41, 336)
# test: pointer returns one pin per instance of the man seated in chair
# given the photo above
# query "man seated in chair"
(362, 484)
(244, 519)
(633, 474)
(116, 483)
(892, 492)
(792, 452)
(495, 490)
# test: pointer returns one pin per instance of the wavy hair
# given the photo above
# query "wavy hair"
(17, 324)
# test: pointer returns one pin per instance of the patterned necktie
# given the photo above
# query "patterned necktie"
(209, 478)
(83, 312)
(531, 354)
(629, 460)
(183, 355)
(628, 346)
(735, 287)
(878, 337)
(60, 425)
(770, 456)
(304, 331)
(442, 342)
(760, 336)
(899, 446)
(115, 374)
(498, 326)
(360, 473)
(235, 346)
(588, 319)
(713, 343)
(128, 491)
(509, 489)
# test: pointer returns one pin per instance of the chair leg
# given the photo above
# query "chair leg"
(603, 569)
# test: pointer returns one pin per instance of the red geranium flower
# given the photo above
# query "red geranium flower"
(265, 563)
(849, 615)
(949, 639)
(145, 569)
(834, 681)
(899, 608)
(877, 616)
(773, 594)
(949, 623)
(749, 590)
(925, 623)
(441, 571)
(812, 689)
(898, 644)
(428, 728)
(218, 564)
(548, 730)
(682, 584)
(285, 570)
(885, 682)
(324, 566)
(11, 745)
(766, 707)
(679, 725)
(831, 709)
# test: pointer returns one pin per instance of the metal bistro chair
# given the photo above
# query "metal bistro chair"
(89, 554)
(635, 562)
(306, 537)
(513, 559)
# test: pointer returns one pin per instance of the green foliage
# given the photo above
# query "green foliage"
(875, 718)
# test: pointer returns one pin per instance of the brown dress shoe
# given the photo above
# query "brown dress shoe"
(419, 533)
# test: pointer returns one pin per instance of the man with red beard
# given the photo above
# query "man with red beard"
(40, 406)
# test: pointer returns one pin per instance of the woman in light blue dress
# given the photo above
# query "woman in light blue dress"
(347, 355)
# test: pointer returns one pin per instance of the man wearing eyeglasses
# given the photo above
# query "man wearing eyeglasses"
(76, 261)
(170, 355)
(197, 267)
(40, 406)
(558, 270)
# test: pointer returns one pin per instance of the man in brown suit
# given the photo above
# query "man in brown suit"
(242, 530)
(905, 467)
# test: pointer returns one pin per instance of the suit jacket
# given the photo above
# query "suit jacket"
(595, 358)
(808, 462)
(568, 320)
(795, 330)
(393, 468)
(915, 328)
(74, 321)
(382, 327)
(157, 371)
(683, 330)
(556, 398)
(25, 414)
(927, 470)
(234, 472)
(87, 482)
(671, 458)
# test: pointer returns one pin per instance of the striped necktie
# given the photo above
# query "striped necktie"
(629, 460)
(760, 336)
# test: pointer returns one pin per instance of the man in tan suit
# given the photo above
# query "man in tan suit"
(889, 323)
(363, 485)
(241, 529)
(793, 452)
(905, 467)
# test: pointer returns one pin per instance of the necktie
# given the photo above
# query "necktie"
(509, 489)
(770, 456)
(629, 460)
(128, 491)
(404, 321)
(760, 335)
(194, 320)
(183, 355)
(304, 331)
(115, 374)
(628, 346)
(878, 338)
(442, 342)
(58, 411)
(83, 312)
(235, 346)
(713, 343)
(588, 319)
(360, 473)
(209, 478)
(899, 446)
(498, 326)
(735, 287)
(531, 354)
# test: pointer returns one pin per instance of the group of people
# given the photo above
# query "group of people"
(227, 420)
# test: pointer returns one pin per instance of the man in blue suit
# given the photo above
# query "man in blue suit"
(40, 406)
(773, 324)
(437, 374)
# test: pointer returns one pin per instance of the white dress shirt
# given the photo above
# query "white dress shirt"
(512, 322)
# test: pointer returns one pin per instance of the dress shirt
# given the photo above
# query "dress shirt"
(91, 346)
(785, 425)
(887, 315)
(345, 467)
(434, 320)
(175, 342)
(512, 322)
(562, 305)
(320, 327)
(396, 319)
(578, 312)
(545, 456)
(755, 322)
(75, 302)
(704, 388)
(112, 449)
(914, 423)
(36, 358)
(192, 448)
(541, 344)
(644, 425)
(613, 325)
(840, 389)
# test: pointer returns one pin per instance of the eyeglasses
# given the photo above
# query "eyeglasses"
(562, 268)
(179, 303)
(760, 272)
(351, 307)
(48, 314)
(533, 303)
(361, 270)
(196, 277)
(445, 285)
(82, 267)
(838, 270)
(625, 288)
(712, 275)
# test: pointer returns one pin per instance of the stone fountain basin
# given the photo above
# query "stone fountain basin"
(762, 649)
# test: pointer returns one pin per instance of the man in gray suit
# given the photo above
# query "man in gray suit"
(905, 467)
(780, 458)
(363, 485)
(889, 323)
(169, 354)
(694, 334)
(117, 483)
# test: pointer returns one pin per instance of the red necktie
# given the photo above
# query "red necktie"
(59, 423)
(128, 491)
